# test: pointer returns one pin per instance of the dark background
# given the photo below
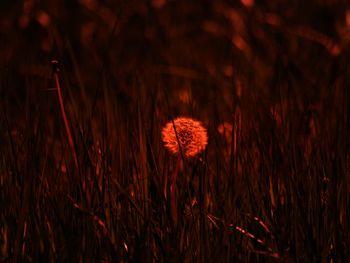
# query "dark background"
(268, 79)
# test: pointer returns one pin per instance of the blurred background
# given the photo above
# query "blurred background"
(201, 45)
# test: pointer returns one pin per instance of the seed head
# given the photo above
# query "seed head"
(191, 135)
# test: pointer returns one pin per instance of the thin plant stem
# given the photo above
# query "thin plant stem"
(63, 112)
(173, 202)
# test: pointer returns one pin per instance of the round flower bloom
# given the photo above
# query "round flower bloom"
(191, 135)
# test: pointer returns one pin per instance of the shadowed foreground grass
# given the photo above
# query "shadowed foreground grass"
(269, 83)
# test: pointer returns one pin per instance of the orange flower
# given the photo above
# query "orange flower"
(191, 135)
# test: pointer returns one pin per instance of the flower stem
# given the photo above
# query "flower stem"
(173, 202)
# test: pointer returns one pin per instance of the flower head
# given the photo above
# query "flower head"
(190, 133)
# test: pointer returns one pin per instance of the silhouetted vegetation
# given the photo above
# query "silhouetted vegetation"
(85, 176)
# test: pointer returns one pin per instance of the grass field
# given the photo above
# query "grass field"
(85, 175)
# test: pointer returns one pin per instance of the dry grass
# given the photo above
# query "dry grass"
(270, 84)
